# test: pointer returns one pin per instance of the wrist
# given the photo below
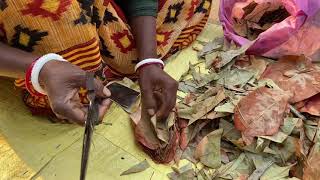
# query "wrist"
(149, 62)
(148, 67)
(33, 72)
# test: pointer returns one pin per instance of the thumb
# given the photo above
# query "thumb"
(149, 101)
(101, 90)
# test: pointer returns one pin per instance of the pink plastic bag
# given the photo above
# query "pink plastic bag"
(298, 34)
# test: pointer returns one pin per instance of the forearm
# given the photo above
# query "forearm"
(144, 32)
(14, 62)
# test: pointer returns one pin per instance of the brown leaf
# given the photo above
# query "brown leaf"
(297, 75)
(312, 105)
(260, 113)
(145, 133)
(311, 170)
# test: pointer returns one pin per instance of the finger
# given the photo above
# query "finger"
(148, 99)
(101, 90)
(169, 95)
(103, 108)
(161, 113)
(70, 110)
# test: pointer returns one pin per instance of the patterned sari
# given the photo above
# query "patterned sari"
(94, 34)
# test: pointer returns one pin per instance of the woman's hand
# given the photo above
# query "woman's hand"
(62, 81)
(159, 91)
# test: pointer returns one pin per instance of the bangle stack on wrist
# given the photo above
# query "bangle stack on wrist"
(33, 71)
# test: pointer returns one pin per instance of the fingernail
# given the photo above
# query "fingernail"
(106, 92)
(151, 112)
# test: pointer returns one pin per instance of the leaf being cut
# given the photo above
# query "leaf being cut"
(137, 168)
(208, 150)
(260, 113)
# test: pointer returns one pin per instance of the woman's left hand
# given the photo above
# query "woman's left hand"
(159, 91)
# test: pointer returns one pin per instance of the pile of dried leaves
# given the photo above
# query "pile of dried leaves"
(253, 17)
(239, 117)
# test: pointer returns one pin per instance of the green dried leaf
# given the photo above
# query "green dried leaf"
(214, 45)
(184, 173)
(235, 77)
(210, 58)
(208, 150)
(286, 129)
(228, 56)
(225, 108)
(276, 172)
(229, 131)
(260, 171)
(202, 108)
(137, 168)
(235, 169)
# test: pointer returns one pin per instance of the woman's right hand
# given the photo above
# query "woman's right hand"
(62, 81)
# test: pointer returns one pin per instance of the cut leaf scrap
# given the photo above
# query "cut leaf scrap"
(137, 168)
(208, 150)
(260, 113)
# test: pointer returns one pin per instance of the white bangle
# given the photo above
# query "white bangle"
(38, 65)
(148, 61)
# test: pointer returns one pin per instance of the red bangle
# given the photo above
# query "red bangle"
(28, 84)
(151, 63)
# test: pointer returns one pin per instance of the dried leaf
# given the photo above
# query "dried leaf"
(229, 131)
(202, 108)
(234, 169)
(235, 77)
(312, 106)
(208, 150)
(260, 170)
(137, 168)
(260, 113)
(311, 171)
(145, 133)
(276, 172)
(161, 129)
(225, 108)
(210, 58)
(286, 129)
(296, 75)
(184, 173)
(228, 56)
(216, 44)
(258, 65)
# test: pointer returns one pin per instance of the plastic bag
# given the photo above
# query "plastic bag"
(296, 35)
